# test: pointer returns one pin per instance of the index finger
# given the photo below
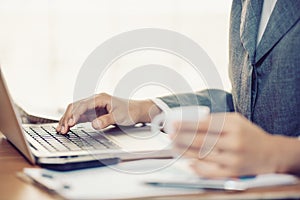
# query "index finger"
(213, 123)
(76, 110)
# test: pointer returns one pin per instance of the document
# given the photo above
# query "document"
(122, 181)
(144, 178)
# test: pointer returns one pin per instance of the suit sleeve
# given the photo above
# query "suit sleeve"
(216, 100)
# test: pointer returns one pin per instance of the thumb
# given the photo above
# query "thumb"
(103, 121)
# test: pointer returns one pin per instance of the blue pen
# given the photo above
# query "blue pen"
(247, 177)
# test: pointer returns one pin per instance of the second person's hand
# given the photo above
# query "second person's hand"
(228, 145)
(104, 110)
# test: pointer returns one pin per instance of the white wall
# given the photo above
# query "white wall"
(44, 43)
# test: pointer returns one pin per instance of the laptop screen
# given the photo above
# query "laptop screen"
(10, 124)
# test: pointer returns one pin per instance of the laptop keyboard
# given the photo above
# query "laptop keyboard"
(75, 140)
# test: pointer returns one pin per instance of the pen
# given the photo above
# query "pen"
(186, 185)
(216, 184)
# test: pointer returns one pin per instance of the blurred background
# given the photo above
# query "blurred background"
(43, 43)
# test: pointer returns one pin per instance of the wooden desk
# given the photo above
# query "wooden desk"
(12, 187)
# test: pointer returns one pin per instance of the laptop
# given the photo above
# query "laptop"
(82, 146)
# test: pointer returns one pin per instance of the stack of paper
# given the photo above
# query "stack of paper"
(121, 181)
(143, 178)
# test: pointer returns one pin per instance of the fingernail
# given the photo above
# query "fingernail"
(97, 124)
(58, 128)
(71, 121)
(62, 129)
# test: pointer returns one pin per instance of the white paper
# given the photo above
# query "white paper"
(131, 180)
(125, 180)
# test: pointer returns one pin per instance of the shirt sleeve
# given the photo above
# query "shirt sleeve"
(216, 100)
(161, 104)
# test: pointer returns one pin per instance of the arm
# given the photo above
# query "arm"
(216, 100)
(104, 110)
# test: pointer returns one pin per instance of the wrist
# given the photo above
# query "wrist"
(286, 152)
(147, 110)
(274, 154)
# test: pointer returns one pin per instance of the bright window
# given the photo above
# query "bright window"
(44, 43)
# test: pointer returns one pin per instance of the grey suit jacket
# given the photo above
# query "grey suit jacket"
(265, 79)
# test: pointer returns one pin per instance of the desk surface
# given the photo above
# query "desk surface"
(12, 187)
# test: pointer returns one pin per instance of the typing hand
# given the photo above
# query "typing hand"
(227, 145)
(104, 110)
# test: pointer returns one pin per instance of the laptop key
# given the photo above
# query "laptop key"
(57, 145)
(75, 140)
(49, 129)
(48, 146)
(39, 130)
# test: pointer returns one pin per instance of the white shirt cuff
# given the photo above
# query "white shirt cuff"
(162, 105)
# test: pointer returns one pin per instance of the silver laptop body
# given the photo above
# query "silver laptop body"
(40, 143)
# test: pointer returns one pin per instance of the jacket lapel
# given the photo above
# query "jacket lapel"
(284, 16)
(251, 13)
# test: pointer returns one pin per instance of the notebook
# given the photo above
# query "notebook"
(40, 144)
